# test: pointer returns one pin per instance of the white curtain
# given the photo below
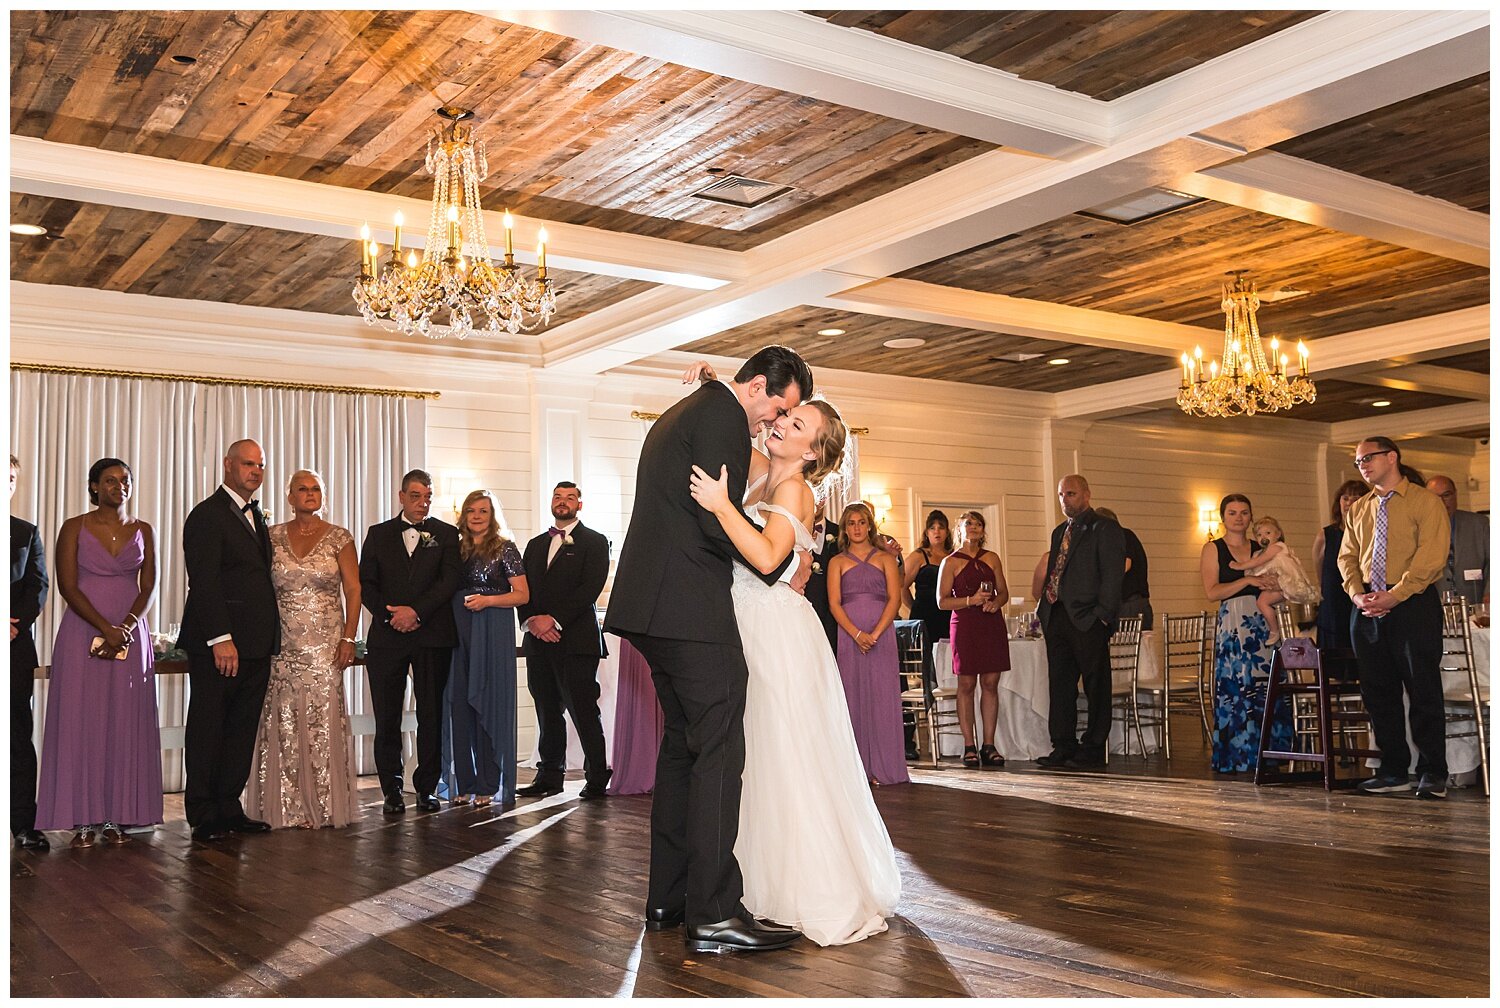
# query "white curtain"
(173, 435)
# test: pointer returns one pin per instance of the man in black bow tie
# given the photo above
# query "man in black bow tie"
(230, 630)
(408, 572)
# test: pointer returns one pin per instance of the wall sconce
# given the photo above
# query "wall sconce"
(881, 502)
(455, 486)
(1208, 521)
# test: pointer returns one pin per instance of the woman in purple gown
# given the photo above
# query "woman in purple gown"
(101, 754)
(971, 582)
(864, 592)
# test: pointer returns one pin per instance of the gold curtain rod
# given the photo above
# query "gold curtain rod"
(653, 417)
(211, 380)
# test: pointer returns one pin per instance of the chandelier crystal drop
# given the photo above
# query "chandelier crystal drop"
(454, 276)
(1247, 383)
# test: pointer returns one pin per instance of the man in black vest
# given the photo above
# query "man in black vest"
(671, 599)
(28, 593)
(230, 630)
(408, 572)
(1079, 607)
(566, 567)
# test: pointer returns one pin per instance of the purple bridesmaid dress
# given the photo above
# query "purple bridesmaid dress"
(872, 681)
(101, 751)
(638, 727)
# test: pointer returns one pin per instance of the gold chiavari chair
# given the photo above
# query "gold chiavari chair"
(1125, 663)
(1183, 648)
(1466, 703)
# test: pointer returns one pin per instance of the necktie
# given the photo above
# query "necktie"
(1059, 562)
(1377, 551)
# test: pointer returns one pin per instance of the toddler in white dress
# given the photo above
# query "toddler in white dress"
(1276, 560)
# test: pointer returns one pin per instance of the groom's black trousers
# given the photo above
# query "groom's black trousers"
(695, 809)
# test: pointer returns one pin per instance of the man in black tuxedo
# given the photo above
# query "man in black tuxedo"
(566, 567)
(408, 572)
(1079, 607)
(230, 630)
(28, 593)
(671, 599)
(826, 535)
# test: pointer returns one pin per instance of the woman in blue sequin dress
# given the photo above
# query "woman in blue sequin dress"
(480, 702)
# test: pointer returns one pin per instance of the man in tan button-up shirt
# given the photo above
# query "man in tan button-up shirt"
(1395, 550)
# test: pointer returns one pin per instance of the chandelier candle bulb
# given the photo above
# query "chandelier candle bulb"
(452, 228)
(541, 254)
(396, 248)
(1302, 357)
(364, 249)
(510, 242)
(1282, 370)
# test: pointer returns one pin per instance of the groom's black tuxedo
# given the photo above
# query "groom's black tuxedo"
(425, 580)
(229, 592)
(671, 600)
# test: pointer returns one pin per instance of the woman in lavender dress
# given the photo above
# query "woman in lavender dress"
(638, 726)
(864, 592)
(101, 754)
(481, 696)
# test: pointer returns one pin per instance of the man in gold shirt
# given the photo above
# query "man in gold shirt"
(1395, 550)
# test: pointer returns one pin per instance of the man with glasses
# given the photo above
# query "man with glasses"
(1394, 552)
(1468, 570)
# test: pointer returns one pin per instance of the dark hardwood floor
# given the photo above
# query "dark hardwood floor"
(1146, 880)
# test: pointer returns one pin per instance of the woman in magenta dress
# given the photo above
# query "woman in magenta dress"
(101, 753)
(971, 583)
(864, 592)
(638, 726)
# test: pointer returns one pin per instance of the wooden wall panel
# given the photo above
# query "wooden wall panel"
(1436, 144)
(576, 133)
(1101, 53)
(1172, 267)
(139, 252)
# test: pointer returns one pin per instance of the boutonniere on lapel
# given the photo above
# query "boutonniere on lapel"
(425, 539)
(567, 539)
(817, 568)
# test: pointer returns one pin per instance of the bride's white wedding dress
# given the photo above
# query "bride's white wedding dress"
(812, 847)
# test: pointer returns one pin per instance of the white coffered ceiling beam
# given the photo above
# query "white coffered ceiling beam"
(1000, 313)
(1289, 187)
(1328, 355)
(115, 178)
(1428, 378)
(805, 55)
(1414, 423)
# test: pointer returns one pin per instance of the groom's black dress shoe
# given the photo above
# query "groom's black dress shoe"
(736, 935)
(539, 789)
(247, 825)
(394, 804)
(205, 834)
(660, 919)
(427, 803)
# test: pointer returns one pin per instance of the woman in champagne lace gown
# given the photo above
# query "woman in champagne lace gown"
(303, 774)
(812, 847)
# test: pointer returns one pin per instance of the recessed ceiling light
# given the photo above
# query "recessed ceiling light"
(30, 230)
(1141, 206)
(1059, 360)
(904, 343)
(1380, 403)
(830, 332)
(185, 60)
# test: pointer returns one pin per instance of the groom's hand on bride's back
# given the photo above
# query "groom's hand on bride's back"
(804, 571)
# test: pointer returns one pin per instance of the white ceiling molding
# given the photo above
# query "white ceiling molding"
(805, 55)
(1416, 423)
(115, 178)
(1000, 313)
(1289, 187)
(1430, 378)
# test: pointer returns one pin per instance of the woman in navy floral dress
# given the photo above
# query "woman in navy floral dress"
(1242, 658)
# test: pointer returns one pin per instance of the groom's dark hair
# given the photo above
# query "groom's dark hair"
(781, 366)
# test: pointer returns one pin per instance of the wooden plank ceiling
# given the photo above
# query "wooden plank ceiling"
(139, 252)
(577, 133)
(1101, 53)
(1436, 144)
(1171, 268)
(950, 354)
(1349, 400)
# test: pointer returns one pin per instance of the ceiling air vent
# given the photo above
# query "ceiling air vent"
(739, 191)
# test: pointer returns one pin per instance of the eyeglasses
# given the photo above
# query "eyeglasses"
(1360, 460)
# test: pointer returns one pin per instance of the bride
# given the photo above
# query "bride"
(812, 847)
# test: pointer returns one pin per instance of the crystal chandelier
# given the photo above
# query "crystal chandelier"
(455, 274)
(1247, 383)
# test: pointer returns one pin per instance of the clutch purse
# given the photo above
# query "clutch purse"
(98, 642)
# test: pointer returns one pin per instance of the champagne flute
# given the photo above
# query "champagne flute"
(987, 588)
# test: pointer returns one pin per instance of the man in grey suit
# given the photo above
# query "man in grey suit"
(1468, 570)
(1079, 607)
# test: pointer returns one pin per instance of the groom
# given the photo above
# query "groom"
(671, 601)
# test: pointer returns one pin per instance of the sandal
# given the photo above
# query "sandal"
(462, 799)
(971, 756)
(990, 756)
(484, 799)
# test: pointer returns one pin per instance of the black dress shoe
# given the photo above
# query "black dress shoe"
(205, 834)
(32, 839)
(736, 935)
(427, 803)
(659, 919)
(594, 791)
(1054, 759)
(247, 825)
(394, 804)
(1085, 759)
(539, 789)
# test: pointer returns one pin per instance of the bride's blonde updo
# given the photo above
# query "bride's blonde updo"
(828, 446)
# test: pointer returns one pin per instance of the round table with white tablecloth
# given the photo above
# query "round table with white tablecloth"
(1021, 728)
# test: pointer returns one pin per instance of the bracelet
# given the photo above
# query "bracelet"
(346, 640)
